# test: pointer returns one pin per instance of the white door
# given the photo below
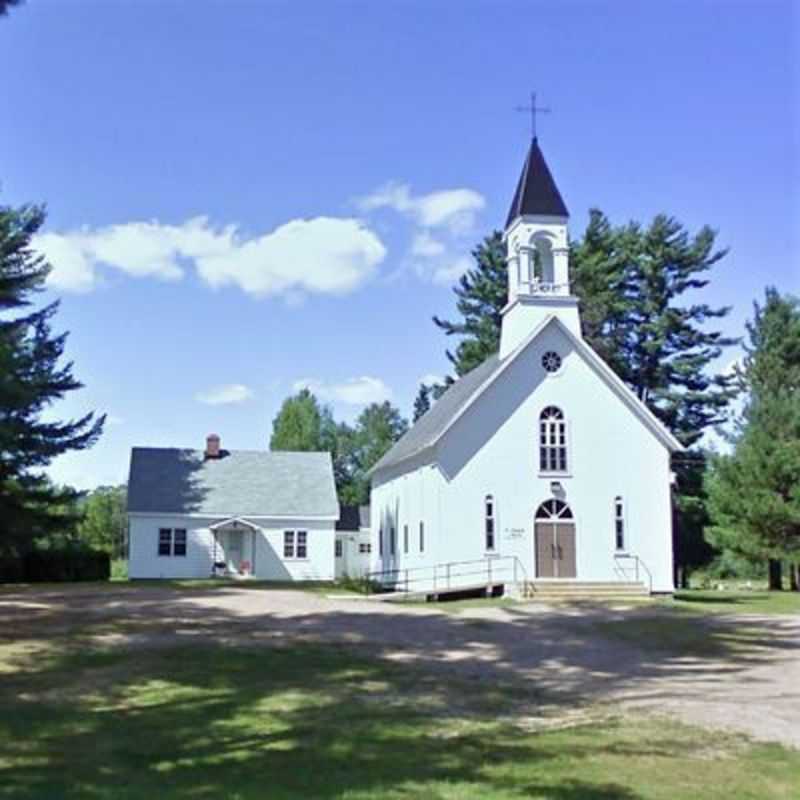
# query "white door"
(234, 550)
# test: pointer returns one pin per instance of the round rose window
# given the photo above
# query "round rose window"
(551, 361)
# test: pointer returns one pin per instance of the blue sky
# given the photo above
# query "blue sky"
(248, 196)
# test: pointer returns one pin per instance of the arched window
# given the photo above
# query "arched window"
(489, 521)
(552, 440)
(619, 523)
(553, 510)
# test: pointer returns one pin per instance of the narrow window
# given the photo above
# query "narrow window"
(489, 527)
(405, 538)
(302, 549)
(380, 541)
(288, 544)
(552, 440)
(392, 541)
(619, 523)
(337, 548)
(165, 541)
(422, 537)
(179, 542)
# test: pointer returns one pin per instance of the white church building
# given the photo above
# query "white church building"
(540, 463)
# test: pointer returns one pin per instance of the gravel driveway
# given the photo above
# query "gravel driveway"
(561, 656)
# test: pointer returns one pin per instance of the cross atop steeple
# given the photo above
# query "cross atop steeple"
(533, 109)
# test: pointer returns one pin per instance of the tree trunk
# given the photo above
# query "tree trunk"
(794, 576)
(775, 575)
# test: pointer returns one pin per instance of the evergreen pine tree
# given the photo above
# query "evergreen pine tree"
(32, 378)
(422, 402)
(754, 493)
(482, 293)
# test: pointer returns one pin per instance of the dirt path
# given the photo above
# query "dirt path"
(564, 657)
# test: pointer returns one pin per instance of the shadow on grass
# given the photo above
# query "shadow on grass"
(305, 722)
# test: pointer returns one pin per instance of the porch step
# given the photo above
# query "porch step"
(566, 589)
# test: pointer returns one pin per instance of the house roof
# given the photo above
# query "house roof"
(353, 518)
(430, 428)
(536, 192)
(240, 483)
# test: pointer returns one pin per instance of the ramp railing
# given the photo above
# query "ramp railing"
(448, 576)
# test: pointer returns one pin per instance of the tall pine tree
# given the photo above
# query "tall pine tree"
(482, 293)
(32, 378)
(754, 492)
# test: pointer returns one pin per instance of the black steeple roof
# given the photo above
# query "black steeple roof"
(537, 192)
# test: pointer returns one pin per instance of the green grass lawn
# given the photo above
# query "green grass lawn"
(738, 602)
(206, 721)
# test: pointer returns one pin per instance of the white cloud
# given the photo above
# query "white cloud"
(360, 391)
(426, 246)
(454, 209)
(229, 394)
(324, 255)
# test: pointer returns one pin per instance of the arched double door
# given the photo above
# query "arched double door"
(554, 535)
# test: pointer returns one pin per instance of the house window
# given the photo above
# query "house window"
(392, 541)
(295, 544)
(619, 523)
(552, 440)
(380, 542)
(489, 522)
(365, 547)
(179, 542)
(422, 537)
(165, 541)
(405, 538)
(337, 548)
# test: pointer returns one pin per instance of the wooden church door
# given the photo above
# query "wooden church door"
(554, 541)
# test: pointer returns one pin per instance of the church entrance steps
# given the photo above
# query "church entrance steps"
(568, 589)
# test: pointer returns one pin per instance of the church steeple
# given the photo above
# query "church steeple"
(536, 192)
(537, 255)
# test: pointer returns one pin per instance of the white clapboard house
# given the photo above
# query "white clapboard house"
(540, 463)
(241, 513)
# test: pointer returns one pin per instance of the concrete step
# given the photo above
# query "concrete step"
(566, 589)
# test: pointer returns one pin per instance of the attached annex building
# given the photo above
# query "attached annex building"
(540, 457)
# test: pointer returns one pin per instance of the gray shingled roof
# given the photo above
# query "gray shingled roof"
(430, 426)
(240, 483)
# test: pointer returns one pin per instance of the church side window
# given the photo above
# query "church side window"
(422, 537)
(489, 521)
(405, 538)
(619, 523)
(552, 440)
(392, 541)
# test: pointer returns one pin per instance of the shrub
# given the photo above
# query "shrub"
(66, 561)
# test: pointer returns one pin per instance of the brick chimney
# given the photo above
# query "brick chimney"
(212, 445)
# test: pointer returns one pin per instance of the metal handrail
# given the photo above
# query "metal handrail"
(639, 563)
(441, 575)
